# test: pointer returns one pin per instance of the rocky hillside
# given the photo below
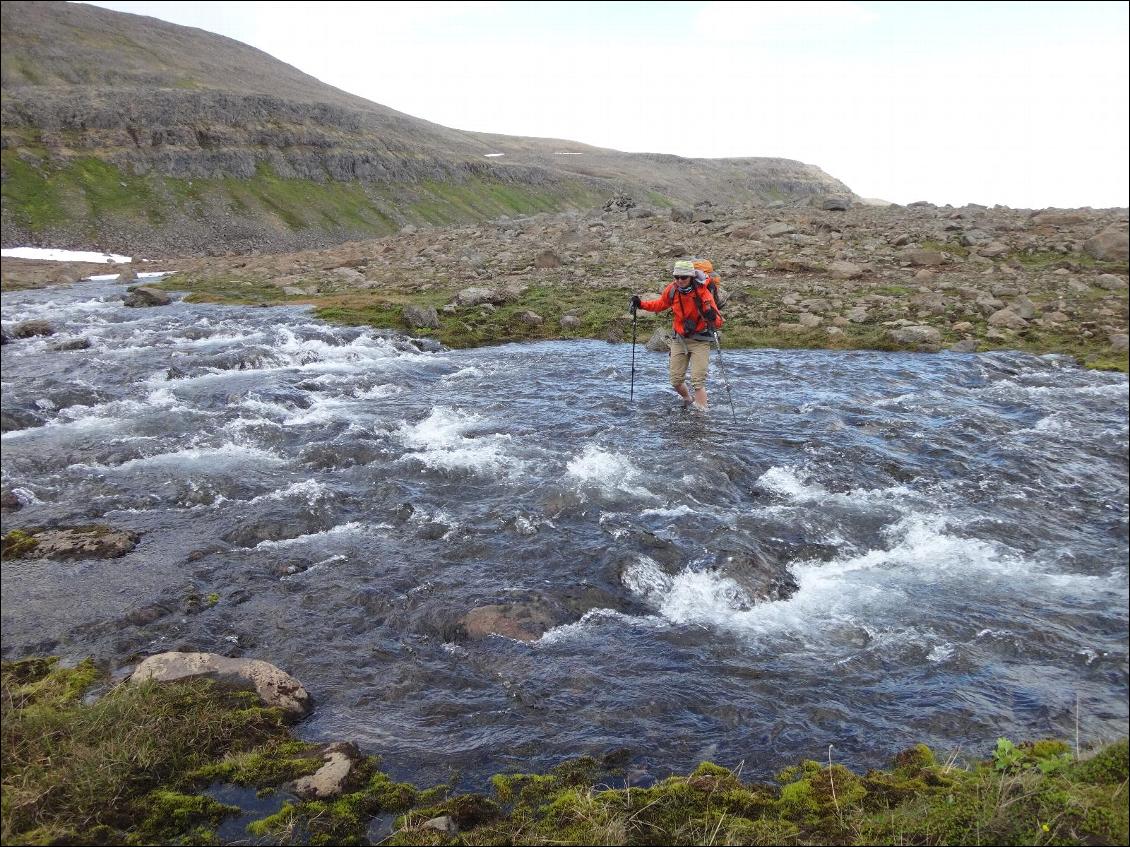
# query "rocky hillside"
(125, 130)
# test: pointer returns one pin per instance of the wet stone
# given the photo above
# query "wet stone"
(78, 542)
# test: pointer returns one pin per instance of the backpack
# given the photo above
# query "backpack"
(709, 278)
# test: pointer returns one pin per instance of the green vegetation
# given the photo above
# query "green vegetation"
(128, 767)
(1045, 260)
(17, 544)
(441, 203)
(113, 770)
(951, 247)
(40, 192)
(603, 315)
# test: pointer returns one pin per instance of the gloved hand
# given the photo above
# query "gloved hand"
(634, 303)
(711, 316)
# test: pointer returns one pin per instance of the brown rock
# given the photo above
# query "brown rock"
(926, 335)
(331, 778)
(29, 329)
(1008, 319)
(1111, 282)
(1023, 307)
(844, 270)
(75, 542)
(547, 259)
(1110, 245)
(274, 687)
(520, 621)
(923, 258)
(141, 296)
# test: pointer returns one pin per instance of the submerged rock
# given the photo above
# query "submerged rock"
(274, 687)
(521, 621)
(530, 617)
(762, 578)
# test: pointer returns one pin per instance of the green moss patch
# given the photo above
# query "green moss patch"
(113, 770)
(129, 766)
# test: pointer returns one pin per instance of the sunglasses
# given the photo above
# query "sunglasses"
(681, 276)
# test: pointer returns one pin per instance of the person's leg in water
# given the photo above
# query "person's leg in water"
(699, 356)
(678, 363)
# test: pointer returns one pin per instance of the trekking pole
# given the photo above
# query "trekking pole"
(632, 391)
(722, 368)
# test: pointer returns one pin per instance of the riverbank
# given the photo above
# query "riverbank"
(916, 278)
(87, 761)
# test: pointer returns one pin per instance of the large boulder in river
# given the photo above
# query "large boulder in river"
(74, 542)
(274, 687)
(140, 296)
(30, 329)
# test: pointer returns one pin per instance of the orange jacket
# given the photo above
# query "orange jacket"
(692, 306)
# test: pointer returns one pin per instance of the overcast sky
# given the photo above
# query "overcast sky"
(1018, 103)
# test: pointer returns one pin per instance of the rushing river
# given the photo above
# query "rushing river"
(956, 526)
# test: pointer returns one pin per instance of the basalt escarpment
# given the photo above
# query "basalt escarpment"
(165, 139)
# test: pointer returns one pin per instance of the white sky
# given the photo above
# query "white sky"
(1018, 103)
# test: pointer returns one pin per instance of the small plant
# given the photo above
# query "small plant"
(1006, 756)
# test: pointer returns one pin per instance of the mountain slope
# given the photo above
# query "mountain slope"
(126, 130)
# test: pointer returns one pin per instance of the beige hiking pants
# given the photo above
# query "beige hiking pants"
(687, 351)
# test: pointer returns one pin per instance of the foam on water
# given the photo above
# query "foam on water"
(309, 490)
(611, 473)
(922, 558)
(194, 458)
(440, 441)
(345, 529)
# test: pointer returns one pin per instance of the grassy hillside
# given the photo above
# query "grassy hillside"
(41, 194)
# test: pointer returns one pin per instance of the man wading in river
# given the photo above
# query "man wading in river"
(695, 318)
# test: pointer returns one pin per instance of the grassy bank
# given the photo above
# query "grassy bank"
(602, 314)
(85, 763)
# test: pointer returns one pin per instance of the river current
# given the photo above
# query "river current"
(334, 500)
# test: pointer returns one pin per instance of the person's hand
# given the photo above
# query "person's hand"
(711, 316)
(634, 303)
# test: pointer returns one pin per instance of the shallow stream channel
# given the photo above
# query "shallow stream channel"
(884, 549)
